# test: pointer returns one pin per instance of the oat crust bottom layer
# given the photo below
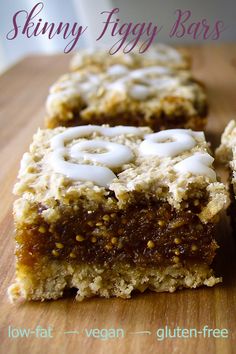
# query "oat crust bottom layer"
(120, 281)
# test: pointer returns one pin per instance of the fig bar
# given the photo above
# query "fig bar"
(156, 96)
(111, 210)
(226, 153)
(159, 54)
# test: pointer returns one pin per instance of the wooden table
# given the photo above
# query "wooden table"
(23, 92)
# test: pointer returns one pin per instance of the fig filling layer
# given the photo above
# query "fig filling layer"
(137, 119)
(148, 233)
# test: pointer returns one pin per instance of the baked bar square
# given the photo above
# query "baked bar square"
(157, 96)
(226, 154)
(159, 54)
(110, 210)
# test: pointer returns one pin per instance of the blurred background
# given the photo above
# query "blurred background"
(87, 13)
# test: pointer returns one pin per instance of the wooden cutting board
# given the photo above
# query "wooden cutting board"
(131, 324)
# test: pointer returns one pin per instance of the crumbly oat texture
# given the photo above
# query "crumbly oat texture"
(159, 54)
(226, 154)
(141, 215)
(150, 174)
(157, 96)
(54, 278)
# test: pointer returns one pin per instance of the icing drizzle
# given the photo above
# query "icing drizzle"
(100, 175)
(115, 155)
(169, 143)
(139, 84)
(75, 161)
(198, 164)
(172, 142)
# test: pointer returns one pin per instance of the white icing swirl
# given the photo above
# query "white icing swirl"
(142, 83)
(198, 164)
(158, 143)
(69, 134)
(115, 156)
(100, 175)
(139, 84)
(80, 161)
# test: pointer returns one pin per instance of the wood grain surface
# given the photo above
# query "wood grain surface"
(23, 92)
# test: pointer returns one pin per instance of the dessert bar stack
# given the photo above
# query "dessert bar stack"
(119, 193)
(156, 89)
(140, 215)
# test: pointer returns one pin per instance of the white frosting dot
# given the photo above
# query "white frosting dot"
(198, 164)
